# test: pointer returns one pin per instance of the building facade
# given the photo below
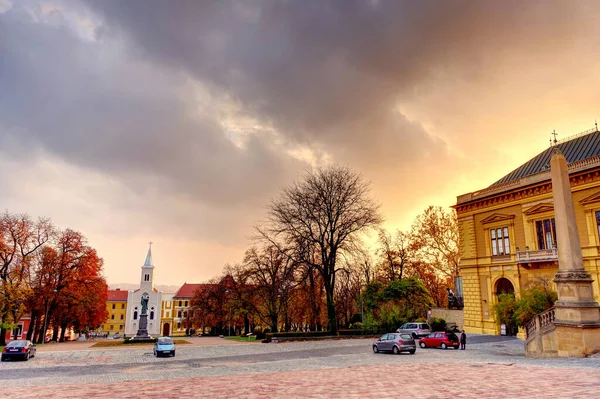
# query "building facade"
(20, 331)
(508, 235)
(182, 314)
(166, 317)
(134, 298)
(116, 306)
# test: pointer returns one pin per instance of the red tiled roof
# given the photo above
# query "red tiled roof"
(117, 295)
(187, 290)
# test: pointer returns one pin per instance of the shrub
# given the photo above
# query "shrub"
(357, 326)
(298, 334)
(533, 301)
(437, 324)
(504, 310)
(139, 341)
(259, 333)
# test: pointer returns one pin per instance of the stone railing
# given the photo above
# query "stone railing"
(537, 255)
(540, 323)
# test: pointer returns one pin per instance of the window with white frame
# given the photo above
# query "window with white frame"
(500, 241)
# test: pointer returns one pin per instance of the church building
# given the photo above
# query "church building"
(134, 299)
(508, 231)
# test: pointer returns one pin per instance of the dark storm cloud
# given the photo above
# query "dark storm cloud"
(330, 72)
(325, 74)
(85, 103)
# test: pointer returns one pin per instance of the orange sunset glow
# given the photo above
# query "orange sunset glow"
(132, 127)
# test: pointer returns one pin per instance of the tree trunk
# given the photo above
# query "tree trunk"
(2, 336)
(55, 333)
(274, 323)
(32, 327)
(246, 323)
(63, 330)
(331, 314)
(42, 333)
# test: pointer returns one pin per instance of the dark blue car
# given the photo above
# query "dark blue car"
(20, 349)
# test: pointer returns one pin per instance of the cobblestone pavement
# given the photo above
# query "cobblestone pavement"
(436, 380)
(490, 367)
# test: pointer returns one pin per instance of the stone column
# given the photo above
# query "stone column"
(577, 315)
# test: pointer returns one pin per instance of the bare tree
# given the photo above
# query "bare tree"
(272, 275)
(396, 252)
(321, 217)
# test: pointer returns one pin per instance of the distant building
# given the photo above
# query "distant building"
(166, 317)
(134, 307)
(182, 315)
(507, 230)
(21, 330)
(116, 306)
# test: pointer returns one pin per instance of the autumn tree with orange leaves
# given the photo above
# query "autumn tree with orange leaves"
(20, 239)
(52, 275)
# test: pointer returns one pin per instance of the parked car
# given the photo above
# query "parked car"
(395, 343)
(440, 340)
(117, 336)
(20, 349)
(164, 346)
(415, 329)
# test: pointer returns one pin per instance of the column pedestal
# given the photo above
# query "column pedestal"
(577, 314)
(142, 329)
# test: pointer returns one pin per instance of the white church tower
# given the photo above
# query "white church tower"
(134, 300)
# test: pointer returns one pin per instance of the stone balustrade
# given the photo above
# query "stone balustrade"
(540, 255)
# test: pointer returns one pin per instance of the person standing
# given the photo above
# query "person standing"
(463, 340)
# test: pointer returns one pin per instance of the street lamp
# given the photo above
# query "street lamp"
(229, 327)
(362, 307)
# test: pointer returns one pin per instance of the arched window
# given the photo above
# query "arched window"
(152, 315)
(135, 315)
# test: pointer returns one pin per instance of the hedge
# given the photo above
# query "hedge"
(298, 334)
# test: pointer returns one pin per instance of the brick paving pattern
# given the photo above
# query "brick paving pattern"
(431, 381)
(491, 367)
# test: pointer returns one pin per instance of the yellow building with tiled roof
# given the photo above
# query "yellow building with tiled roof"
(116, 305)
(166, 317)
(507, 231)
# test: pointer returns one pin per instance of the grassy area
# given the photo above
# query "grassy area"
(122, 343)
(244, 339)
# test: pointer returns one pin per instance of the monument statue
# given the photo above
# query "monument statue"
(145, 299)
(142, 333)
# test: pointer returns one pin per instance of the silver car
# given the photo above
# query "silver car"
(395, 343)
(416, 330)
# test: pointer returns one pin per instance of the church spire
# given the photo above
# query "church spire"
(148, 262)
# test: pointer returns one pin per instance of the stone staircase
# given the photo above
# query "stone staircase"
(541, 335)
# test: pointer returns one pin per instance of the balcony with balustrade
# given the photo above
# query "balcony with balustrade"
(529, 258)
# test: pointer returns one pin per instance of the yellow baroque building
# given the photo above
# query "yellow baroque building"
(116, 305)
(166, 317)
(507, 230)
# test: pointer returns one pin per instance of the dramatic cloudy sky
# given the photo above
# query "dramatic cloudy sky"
(176, 121)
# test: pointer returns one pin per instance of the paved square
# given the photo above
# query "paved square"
(491, 367)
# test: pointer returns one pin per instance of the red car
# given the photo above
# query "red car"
(440, 340)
